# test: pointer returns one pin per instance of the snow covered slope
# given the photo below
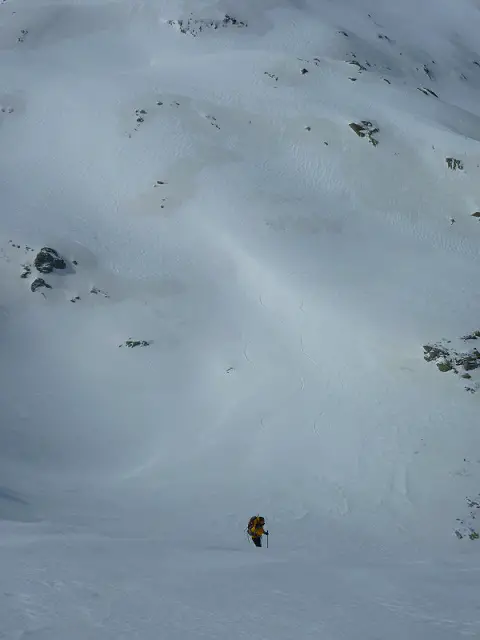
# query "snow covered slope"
(262, 215)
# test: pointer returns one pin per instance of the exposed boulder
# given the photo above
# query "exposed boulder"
(38, 283)
(365, 129)
(444, 366)
(47, 260)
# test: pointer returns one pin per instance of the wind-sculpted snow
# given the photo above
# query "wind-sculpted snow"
(224, 262)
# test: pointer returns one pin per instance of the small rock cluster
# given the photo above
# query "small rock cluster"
(46, 261)
(140, 115)
(130, 343)
(357, 64)
(465, 527)
(365, 129)
(461, 363)
(454, 164)
(194, 27)
(23, 35)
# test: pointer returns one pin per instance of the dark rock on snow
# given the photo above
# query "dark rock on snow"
(365, 129)
(454, 164)
(38, 283)
(47, 260)
(27, 270)
(136, 343)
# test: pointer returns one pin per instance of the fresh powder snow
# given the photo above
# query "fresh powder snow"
(239, 266)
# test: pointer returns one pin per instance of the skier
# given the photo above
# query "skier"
(256, 529)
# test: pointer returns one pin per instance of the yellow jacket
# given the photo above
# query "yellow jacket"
(255, 527)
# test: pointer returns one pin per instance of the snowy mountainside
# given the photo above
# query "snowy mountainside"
(239, 249)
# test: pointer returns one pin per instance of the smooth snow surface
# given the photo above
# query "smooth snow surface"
(287, 274)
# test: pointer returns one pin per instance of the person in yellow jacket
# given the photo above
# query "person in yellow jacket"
(256, 530)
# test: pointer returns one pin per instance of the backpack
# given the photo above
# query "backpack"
(253, 523)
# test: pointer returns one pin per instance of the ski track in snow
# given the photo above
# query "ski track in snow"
(203, 184)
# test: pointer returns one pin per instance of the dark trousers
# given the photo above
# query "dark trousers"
(257, 541)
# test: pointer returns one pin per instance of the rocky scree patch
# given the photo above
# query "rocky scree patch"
(365, 129)
(194, 26)
(463, 363)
